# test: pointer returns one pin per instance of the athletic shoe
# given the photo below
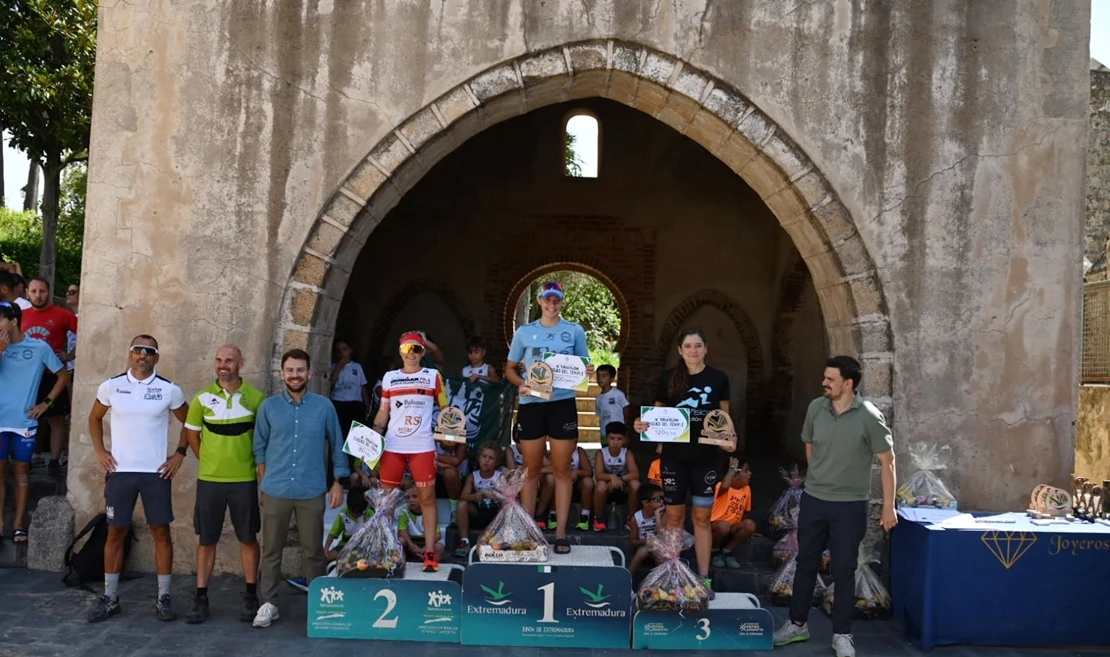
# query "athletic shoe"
(731, 562)
(790, 633)
(843, 645)
(267, 614)
(552, 521)
(164, 608)
(54, 469)
(103, 610)
(717, 561)
(431, 565)
(583, 523)
(541, 524)
(707, 582)
(599, 525)
(199, 612)
(462, 550)
(299, 583)
(250, 607)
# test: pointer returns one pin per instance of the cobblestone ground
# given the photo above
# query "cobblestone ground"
(41, 618)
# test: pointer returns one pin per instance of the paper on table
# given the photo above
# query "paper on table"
(925, 514)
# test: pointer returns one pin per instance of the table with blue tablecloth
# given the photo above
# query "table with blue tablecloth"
(1012, 583)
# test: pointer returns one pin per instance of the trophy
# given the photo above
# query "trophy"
(540, 380)
(452, 425)
(1078, 510)
(717, 429)
(1096, 504)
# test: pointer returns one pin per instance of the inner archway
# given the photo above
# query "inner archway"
(790, 190)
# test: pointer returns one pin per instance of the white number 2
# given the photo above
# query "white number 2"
(548, 603)
(703, 625)
(390, 603)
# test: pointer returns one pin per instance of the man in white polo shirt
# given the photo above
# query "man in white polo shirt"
(140, 402)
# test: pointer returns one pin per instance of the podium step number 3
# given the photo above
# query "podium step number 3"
(734, 621)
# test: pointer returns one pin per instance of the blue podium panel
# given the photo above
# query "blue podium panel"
(732, 622)
(549, 606)
(1018, 585)
(425, 609)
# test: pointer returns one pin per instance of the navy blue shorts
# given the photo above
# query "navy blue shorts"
(19, 446)
(123, 489)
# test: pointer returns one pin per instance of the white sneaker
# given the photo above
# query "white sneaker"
(842, 645)
(790, 633)
(267, 614)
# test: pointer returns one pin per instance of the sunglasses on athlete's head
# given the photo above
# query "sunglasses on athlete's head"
(411, 349)
(143, 350)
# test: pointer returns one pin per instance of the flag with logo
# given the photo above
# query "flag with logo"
(488, 408)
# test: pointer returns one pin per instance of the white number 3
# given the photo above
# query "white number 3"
(703, 625)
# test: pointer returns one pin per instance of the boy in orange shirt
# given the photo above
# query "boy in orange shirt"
(655, 475)
(730, 527)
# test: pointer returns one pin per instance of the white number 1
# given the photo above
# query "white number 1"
(548, 603)
(390, 603)
(703, 625)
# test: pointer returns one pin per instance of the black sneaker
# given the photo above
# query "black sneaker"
(164, 608)
(199, 612)
(104, 609)
(250, 608)
(54, 469)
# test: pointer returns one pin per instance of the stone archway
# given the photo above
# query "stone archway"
(389, 312)
(690, 100)
(749, 337)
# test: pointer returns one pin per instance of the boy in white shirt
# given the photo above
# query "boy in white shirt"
(611, 405)
(477, 369)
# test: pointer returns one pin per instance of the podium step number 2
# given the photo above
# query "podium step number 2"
(418, 607)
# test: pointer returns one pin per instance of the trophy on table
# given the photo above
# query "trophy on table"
(718, 429)
(1096, 504)
(1078, 509)
(540, 381)
(452, 425)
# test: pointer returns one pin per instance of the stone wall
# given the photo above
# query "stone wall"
(1098, 168)
(926, 160)
(1092, 441)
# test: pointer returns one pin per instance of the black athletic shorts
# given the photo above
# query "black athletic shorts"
(557, 420)
(696, 477)
(481, 515)
(60, 407)
(123, 489)
(213, 497)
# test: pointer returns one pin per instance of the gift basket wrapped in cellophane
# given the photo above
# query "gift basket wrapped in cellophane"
(375, 550)
(512, 535)
(672, 586)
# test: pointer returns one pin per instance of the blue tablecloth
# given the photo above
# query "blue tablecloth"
(1024, 586)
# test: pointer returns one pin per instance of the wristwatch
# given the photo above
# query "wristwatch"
(48, 401)
(184, 451)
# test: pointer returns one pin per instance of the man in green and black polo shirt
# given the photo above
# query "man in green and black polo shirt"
(220, 428)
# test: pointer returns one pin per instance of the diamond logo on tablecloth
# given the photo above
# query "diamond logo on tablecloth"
(1008, 547)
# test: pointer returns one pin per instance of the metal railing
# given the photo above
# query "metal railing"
(1095, 358)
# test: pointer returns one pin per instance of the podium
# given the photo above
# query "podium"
(577, 600)
(416, 607)
(734, 621)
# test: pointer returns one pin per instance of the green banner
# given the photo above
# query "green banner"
(488, 408)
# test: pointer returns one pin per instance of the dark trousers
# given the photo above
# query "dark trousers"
(838, 526)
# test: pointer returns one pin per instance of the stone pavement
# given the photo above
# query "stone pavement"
(41, 618)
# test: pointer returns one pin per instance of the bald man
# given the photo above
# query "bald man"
(220, 429)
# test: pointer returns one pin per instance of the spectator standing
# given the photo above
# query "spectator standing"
(7, 290)
(349, 392)
(611, 404)
(51, 324)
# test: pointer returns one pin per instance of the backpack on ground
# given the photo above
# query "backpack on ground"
(87, 564)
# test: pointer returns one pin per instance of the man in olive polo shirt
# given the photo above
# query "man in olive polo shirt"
(843, 434)
(220, 429)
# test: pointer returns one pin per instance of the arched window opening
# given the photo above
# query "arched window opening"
(581, 151)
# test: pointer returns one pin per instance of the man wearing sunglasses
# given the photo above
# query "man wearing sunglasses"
(141, 403)
(22, 364)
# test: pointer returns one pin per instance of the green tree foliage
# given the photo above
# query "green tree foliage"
(21, 232)
(47, 57)
(573, 164)
(589, 302)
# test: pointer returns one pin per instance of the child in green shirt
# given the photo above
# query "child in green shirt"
(410, 528)
(348, 522)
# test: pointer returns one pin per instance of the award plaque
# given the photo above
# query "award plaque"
(452, 425)
(540, 381)
(717, 429)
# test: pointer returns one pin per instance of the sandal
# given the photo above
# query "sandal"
(562, 546)
(463, 548)
(19, 536)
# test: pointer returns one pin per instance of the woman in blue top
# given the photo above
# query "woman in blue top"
(554, 419)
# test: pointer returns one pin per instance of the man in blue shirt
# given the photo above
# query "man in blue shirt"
(21, 367)
(292, 433)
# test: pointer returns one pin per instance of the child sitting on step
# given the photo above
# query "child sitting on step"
(350, 519)
(410, 528)
(644, 524)
(479, 504)
(616, 475)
